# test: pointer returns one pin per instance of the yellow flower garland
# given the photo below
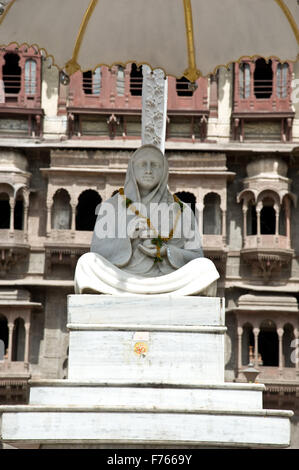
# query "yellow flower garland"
(158, 241)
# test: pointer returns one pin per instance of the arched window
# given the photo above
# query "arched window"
(282, 80)
(3, 336)
(61, 210)
(183, 87)
(86, 216)
(92, 82)
(120, 81)
(251, 219)
(244, 80)
(288, 336)
(11, 74)
(4, 211)
(30, 77)
(212, 215)
(263, 79)
(18, 342)
(247, 344)
(136, 79)
(19, 214)
(188, 198)
(268, 343)
(268, 217)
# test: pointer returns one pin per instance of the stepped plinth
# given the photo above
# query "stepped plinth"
(145, 371)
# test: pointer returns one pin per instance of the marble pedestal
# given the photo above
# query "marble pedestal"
(145, 371)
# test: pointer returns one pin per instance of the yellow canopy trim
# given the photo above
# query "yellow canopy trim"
(191, 73)
(289, 17)
(72, 65)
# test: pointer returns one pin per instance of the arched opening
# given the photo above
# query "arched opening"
(282, 80)
(136, 79)
(86, 216)
(4, 211)
(247, 344)
(244, 80)
(263, 79)
(251, 219)
(288, 336)
(92, 82)
(183, 87)
(268, 343)
(19, 214)
(30, 77)
(18, 342)
(268, 217)
(115, 192)
(11, 74)
(3, 336)
(188, 198)
(212, 219)
(61, 211)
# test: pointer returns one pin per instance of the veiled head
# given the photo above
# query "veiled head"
(147, 175)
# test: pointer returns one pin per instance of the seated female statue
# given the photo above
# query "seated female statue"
(145, 241)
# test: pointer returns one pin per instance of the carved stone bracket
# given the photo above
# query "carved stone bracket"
(112, 122)
(10, 257)
(267, 264)
(63, 256)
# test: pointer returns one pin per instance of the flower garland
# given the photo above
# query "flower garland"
(158, 241)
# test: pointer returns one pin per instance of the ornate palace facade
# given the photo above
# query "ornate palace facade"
(233, 151)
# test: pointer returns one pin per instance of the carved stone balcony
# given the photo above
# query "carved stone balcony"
(267, 253)
(14, 246)
(64, 247)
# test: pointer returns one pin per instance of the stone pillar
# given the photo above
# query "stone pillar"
(239, 335)
(49, 210)
(245, 210)
(288, 220)
(154, 107)
(296, 351)
(280, 352)
(12, 214)
(199, 207)
(223, 211)
(73, 224)
(258, 217)
(27, 331)
(10, 337)
(276, 208)
(256, 332)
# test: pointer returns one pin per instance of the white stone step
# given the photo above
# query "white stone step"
(213, 397)
(83, 425)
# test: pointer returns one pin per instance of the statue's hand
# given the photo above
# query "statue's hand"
(150, 250)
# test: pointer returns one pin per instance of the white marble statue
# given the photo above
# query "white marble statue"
(146, 241)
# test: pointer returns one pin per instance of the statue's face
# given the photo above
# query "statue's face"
(148, 170)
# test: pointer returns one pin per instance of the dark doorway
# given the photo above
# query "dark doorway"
(11, 74)
(263, 79)
(268, 346)
(136, 79)
(86, 216)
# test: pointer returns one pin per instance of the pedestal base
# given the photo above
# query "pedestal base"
(145, 371)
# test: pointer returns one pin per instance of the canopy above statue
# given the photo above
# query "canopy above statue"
(182, 37)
